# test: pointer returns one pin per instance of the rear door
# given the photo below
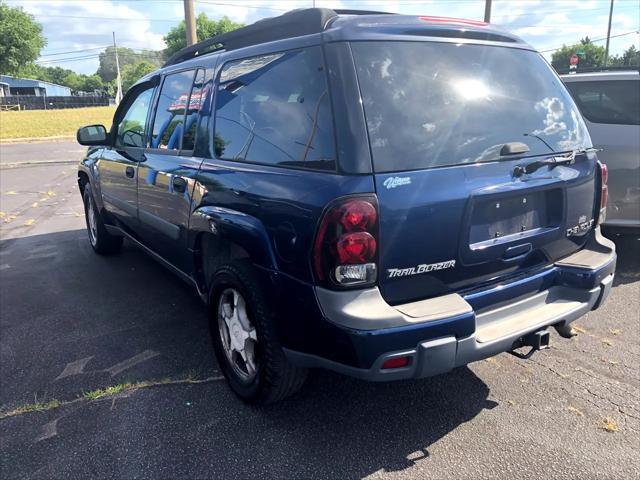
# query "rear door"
(166, 176)
(451, 126)
(611, 109)
(118, 163)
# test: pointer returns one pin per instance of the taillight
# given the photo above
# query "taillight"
(604, 191)
(345, 250)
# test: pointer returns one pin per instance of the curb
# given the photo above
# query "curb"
(57, 138)
(37, 163)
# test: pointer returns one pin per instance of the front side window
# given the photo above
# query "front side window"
(198, 94)
(608, 101)
(168, 125)
(432, 104)
(132, 126)
(274, 109)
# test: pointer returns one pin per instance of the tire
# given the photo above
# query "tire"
(273, 377)
(101, 241)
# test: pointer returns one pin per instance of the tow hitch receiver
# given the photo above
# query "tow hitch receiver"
(537, 341)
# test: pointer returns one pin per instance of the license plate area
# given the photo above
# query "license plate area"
(503, 219)
(527, 219)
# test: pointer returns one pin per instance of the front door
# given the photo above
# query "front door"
(118, 164)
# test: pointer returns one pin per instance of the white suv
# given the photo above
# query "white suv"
(610, 104)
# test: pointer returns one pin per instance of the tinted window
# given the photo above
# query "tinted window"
(168, 125)
(431, 104)
(608, 101)
(132, 126)
(274, 109)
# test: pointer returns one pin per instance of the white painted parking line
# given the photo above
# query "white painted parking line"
(48, 430)
(122, 366)
(74, 368)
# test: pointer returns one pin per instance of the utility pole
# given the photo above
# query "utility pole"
(487, 11)
(190, 22)
(606, 50)
(118, 77)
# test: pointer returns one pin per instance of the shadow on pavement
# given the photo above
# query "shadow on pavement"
(73, 321)
(628, 264)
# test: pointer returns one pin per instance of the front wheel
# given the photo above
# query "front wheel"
(244, 341)
(101, 241)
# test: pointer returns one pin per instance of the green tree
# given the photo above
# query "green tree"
(591, 55)
(126, 56)
(132, 73)
(107, 69)
(631, 56)
(91, 83)
(205, 28)
(21, 39)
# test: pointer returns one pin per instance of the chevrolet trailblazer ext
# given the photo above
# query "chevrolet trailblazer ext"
(385, 196)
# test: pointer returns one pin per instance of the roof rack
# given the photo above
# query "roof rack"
(291, 24)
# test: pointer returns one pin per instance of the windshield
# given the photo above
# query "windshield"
(432, 104)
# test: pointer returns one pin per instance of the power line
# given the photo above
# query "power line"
(73, 51)
(593, 40)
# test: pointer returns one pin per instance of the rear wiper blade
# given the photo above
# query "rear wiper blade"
(552, 162)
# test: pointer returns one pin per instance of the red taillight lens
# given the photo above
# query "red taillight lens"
(604, 172)
(345, 247)
(604, 191)
(357, 247)
(358, 215)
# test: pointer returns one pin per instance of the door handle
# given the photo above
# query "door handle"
(130, 172)
(179, 184)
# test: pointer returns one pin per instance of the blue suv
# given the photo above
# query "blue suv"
(385, 196)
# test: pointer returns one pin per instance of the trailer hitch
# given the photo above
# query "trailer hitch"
(537, 341)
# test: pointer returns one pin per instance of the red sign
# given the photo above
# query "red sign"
(574, 59)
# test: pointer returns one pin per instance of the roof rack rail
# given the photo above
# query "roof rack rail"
(294, 23)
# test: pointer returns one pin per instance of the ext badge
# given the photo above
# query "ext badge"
(393, 182)
(583, 227)
(422, 268)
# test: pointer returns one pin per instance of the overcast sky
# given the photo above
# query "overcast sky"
(83, 27)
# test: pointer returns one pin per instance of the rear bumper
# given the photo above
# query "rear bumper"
(441, 334)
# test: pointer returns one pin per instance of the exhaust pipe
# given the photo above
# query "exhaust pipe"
(537, 341)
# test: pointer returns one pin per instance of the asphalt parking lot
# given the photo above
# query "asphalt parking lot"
(72, 322)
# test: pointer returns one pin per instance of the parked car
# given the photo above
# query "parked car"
(339, 201)
(610, 104)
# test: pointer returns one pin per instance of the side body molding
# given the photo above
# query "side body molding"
(236, 227)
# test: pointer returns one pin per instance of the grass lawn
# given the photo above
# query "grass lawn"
(51, 123)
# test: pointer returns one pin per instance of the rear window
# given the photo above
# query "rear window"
(432, 104)
(612, 101)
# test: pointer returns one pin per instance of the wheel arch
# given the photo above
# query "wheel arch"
(219, 235)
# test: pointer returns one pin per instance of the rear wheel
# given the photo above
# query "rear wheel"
(244, 341)
(101, 241)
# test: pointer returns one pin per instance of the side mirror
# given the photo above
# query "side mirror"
(92, 135)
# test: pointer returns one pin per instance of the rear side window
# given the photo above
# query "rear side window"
(168, 125)
(612, 101)
(274, 109)
(430, 104)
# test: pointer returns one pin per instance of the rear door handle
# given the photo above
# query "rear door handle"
(179, 184)
(130, 172)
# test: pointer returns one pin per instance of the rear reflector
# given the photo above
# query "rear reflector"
(396, 362)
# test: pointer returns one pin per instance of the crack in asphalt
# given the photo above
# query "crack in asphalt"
(131, 388)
